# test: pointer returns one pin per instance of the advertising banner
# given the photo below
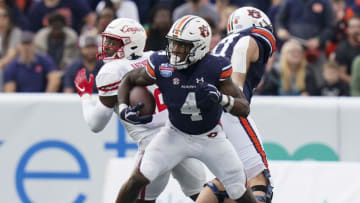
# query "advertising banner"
(49, 155)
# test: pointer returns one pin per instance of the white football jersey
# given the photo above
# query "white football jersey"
(108, 80)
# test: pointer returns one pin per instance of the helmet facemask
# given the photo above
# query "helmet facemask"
(180, 52)
(112, 47)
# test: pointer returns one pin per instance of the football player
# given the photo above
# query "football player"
(195, 86)
(248, 44)
(122, 46)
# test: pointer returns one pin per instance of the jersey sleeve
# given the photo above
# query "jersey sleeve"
(109, 78)
(226, 69)
(150, 69)
(154, 62)
(266, 38)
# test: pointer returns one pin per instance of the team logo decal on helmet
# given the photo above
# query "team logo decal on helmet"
(204, 31)
(193, 33)
(246, 17)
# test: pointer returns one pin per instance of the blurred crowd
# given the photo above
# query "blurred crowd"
(43, 43)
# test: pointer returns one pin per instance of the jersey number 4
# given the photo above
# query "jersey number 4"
(190, 108)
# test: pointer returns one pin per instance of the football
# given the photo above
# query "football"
(142, 94)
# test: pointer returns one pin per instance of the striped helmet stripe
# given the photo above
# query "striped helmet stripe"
(180, 26)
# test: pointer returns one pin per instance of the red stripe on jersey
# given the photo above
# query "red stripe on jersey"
(268, 36)
(109, 87)
(249, 130)
(226, 73)
(150, 70)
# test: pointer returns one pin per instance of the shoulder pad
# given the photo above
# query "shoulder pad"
(266, 38)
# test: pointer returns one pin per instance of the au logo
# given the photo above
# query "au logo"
(204, 31)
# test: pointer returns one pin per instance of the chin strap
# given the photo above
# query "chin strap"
(268, 189)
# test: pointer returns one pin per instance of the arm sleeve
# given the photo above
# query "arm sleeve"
(95, 114)
(151, 64)
(226, 73)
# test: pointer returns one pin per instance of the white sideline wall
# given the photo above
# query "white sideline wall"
(296, 182)
(48, 154)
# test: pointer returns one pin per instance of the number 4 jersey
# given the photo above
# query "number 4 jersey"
(178, 90)
(108, 80)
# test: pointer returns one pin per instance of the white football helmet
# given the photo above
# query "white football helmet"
(122, 38)
(192, 30)
(246, 17)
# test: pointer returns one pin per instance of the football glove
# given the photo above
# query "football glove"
(82, 85)
(130, 114)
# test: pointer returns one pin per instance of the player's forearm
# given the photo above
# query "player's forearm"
(124, 89)
(241, 107)
(96, 115)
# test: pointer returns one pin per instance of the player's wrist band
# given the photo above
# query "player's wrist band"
(122, 106)
(227, 102)
(224, 100)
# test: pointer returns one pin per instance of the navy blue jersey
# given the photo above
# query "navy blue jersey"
(266, 43)
(178, 89)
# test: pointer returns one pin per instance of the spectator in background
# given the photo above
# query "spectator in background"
(88, 48)
(104, 17)
(348, 49)
(310, 20)
(339, 28)
(273, 10)
(9, 37)
(224, 9)
(291, 78)
(355, 77)
(263, 5)
(123, 8)
(160, 23)
(333, 86)
(17, 16)
(197, 7)
(216, 34)
(93, 3)
(58, 41)
(144, 7)
(9, 40)
(76, 13)
(30, 72)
